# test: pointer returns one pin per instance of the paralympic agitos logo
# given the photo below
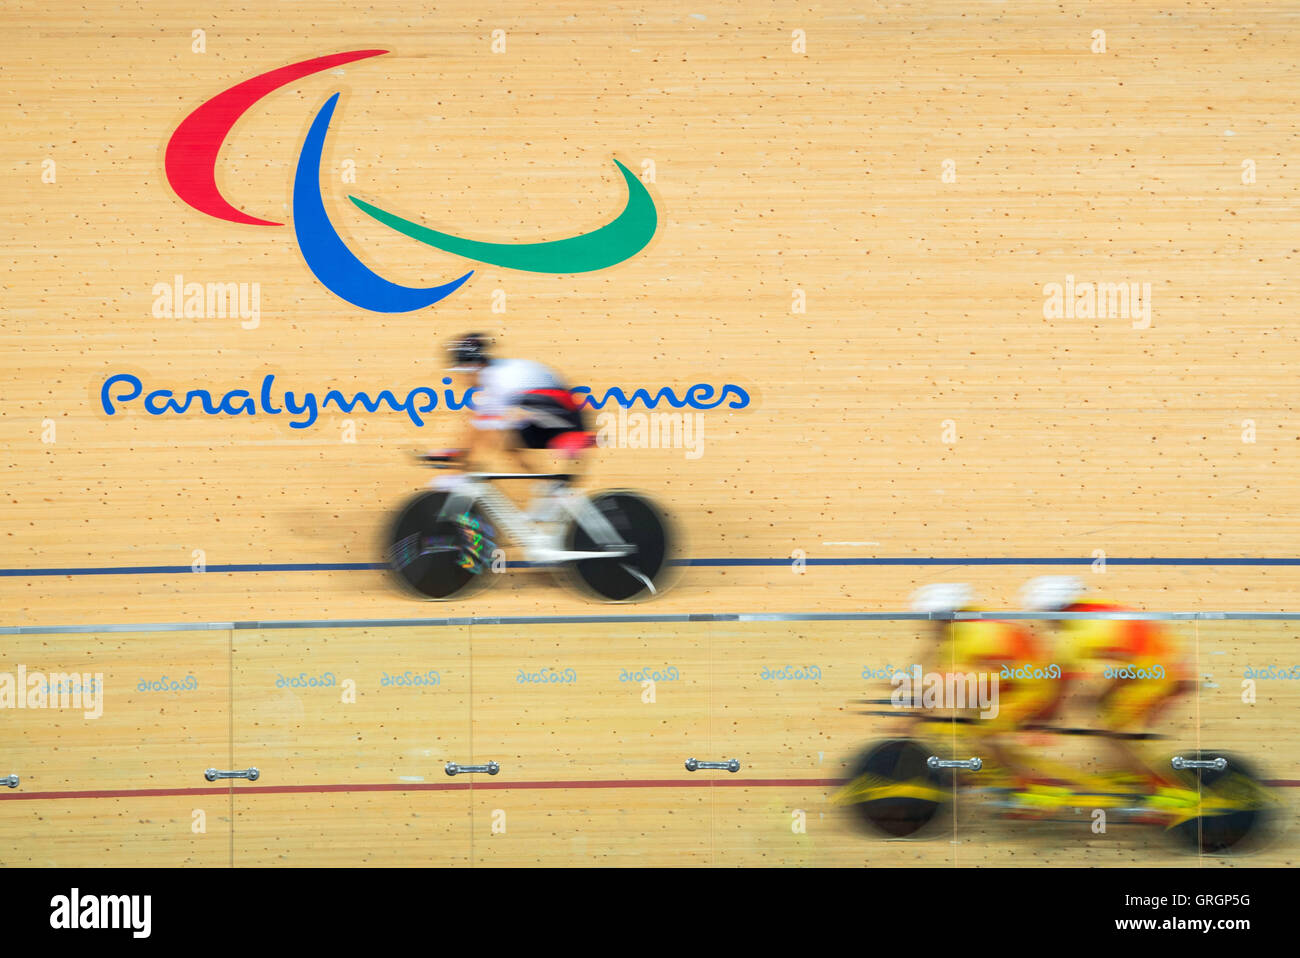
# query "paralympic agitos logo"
(191, 160)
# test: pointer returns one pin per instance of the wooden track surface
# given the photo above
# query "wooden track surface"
(921, 405)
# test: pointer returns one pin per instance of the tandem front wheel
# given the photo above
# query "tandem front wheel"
(1235, 810)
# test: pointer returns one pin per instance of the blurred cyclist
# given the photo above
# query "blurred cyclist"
(1141, 663)
(517, 405)
(1001, 648)
(521, 400)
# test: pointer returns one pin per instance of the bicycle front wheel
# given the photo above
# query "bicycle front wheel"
(1235, 809)
(640, 574)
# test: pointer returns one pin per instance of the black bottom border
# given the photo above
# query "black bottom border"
(467, 908)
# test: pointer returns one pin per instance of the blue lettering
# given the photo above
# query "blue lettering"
(104, 398)
(308, 406)
(449, 397)
(266, 395)
(413, 410)
(245, 406)
(171, 405)
(122, 388)
(336, 397)
(742, 397)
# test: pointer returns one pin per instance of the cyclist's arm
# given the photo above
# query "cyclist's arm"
(485, 434)
(489, 416)
(470, 443)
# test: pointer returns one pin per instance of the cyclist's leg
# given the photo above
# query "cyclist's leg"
(1161, 697)
(546, 425)
(1128, 706)
(518, 453)
(526, 442)
(1019, 702)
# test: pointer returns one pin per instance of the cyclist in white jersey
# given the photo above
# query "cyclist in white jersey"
(519, 404)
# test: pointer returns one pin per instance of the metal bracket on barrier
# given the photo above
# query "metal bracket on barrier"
(1216, 763)
(974, 764)
(490, 768)
(249, 773)
(694, 764)
(10, 780)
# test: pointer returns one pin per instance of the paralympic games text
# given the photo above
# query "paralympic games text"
(123, 388)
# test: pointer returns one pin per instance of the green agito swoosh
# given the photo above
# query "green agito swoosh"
(621, 238)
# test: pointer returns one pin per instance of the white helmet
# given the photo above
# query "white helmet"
(1051, 593)
(945, 597)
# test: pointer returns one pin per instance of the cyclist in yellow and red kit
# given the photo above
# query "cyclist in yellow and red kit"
(1140, 662)
(1028, 689)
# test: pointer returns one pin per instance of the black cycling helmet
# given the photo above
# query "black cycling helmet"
(469, 352)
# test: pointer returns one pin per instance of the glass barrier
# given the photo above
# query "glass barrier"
(350, 729)
(105, 739)
(993, 739)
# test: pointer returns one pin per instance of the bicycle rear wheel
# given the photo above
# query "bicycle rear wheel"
(626, 578)
(892, 790)
(437, 555)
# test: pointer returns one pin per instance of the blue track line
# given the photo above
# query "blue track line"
(728, 563)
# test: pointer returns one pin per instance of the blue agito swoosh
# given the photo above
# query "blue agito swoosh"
(336, 266)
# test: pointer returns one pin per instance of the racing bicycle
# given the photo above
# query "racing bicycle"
(615, 545)
(1215, 804)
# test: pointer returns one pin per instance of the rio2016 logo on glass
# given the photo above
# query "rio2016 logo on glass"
(191, 170)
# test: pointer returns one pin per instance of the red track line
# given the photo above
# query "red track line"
(467, 786)
(673, 783)
(431, 787)
(123, 793)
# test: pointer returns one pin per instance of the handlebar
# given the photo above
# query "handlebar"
(927, 715)
(448, 459)
(440, 460)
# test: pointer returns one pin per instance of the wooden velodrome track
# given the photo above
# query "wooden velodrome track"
(862, 209)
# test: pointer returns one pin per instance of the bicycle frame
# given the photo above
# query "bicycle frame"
(956, 729)
(538, 544)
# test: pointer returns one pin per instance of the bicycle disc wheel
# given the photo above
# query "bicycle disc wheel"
(1236, 807)
(625, 578)
(437, 556)
(879, 771)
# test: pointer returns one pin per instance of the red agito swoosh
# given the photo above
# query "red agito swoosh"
(191, 158)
